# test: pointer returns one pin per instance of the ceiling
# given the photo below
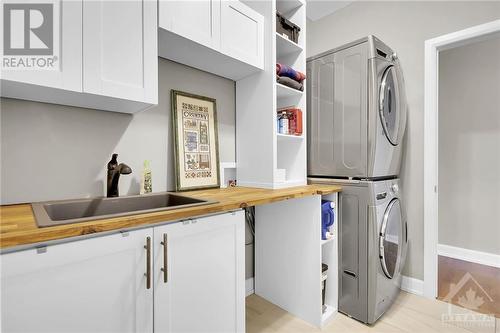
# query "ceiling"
(317, 9)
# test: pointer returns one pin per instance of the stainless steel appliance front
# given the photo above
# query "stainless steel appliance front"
(357, 111)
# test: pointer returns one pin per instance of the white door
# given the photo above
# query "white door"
(66, 72)
(120, 57)
(197, 20)
(242, 33)
(199, 278)
(92, 285)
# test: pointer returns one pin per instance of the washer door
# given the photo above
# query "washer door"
(391, 105)
(391, 240)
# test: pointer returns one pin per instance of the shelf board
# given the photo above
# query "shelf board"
(283, 91)
(290, 183)
(228, 165)
(285, 6)
(327, 240)
(284, 46)
(289, 136)
(328, 314)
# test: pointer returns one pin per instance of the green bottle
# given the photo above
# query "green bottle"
(146, 183)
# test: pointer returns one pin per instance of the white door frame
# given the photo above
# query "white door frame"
(432, 49)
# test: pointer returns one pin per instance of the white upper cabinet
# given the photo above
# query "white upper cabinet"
(242, 33)
(196, 20)
(67, 48)
(120, 49)
(221, 37)
(106, 57)
(91, 285)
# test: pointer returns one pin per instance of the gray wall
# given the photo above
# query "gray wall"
(404, 26)
(53, 152)
(469, 146)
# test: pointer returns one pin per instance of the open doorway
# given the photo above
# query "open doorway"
(469, 177)
(461, 193)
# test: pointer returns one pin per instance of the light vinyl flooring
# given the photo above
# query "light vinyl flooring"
(410, 313)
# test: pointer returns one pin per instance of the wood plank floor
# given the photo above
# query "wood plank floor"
(471, 285)
(410, 313)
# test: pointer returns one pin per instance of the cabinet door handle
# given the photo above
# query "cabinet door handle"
(148, 262)
(165, 258)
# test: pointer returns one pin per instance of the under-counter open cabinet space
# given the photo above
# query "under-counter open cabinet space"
(330, 257)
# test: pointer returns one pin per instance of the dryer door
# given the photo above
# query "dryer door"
(391, 238)
(392, 104)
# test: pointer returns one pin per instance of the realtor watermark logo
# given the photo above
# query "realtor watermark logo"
(28, 36)
(469, 295)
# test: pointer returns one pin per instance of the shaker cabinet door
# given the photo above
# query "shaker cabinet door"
(91, 285)
(242, 33)
(199, 275)
(63, 68)
(197, 20)
(120, 49)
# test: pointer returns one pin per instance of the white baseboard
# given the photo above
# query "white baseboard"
(249, 287)
(412, 285)
(483, 258)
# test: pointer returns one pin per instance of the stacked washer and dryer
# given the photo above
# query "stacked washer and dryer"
(357, 119)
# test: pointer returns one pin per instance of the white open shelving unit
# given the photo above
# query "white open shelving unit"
(262, 151)
(289, 251)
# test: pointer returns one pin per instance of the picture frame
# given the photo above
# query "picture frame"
(196, 143)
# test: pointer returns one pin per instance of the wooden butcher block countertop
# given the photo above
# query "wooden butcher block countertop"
(18, 226)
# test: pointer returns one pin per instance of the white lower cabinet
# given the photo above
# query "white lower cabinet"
(102, 284)
(199, 277)
(92, 285)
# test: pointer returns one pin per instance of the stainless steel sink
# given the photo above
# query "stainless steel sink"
(73, 211)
